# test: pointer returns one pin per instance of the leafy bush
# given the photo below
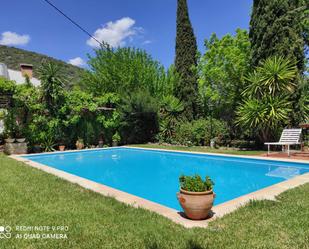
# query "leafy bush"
(138, 118)
(7, 86)
(83, 116)
(221, 73)
(43, 131)
(123, 70)
(10, 125)
(195, 183)
(116, 137)
(170, 110)
(243, 144)
(200, 132)
(52, 87)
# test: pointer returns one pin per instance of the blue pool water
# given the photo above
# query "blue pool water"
(153, 175)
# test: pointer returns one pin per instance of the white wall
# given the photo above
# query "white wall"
(20, 79)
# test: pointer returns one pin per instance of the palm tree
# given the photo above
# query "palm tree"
(264, 116)
(52, 84)
(273, 77)
(267, 104)
(171, 108)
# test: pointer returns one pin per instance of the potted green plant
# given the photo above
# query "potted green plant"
(61, 147)
(101, 141)
(10, 127)
(9, 137)
(48, 142)
(19, 134)
(116, 139)
(61, 138)
(196, 196)
(80, 144)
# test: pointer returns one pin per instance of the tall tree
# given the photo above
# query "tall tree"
(122, 71)
(280, 28)
(267, 106)
(186, 62)
(52, 84)
(277, 29)
(221, 73)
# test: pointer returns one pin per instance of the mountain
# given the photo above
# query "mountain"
(12, 57)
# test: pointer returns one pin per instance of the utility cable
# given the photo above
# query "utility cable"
(74, 22)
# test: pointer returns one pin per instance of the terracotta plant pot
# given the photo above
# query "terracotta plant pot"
(61, 147)
(79, 145)
(196, 205)
(101, 144)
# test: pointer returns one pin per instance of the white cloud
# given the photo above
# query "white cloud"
(79, 62)
(147, 42)
(12, 38)
(115, 33)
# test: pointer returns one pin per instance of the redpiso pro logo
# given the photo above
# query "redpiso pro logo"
(5, 232)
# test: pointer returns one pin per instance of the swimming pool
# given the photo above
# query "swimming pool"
(153, 174)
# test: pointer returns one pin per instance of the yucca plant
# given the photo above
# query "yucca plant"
(255, 87)
(277, 75)
(52, 84)
(170, 111)
(264, 116)
(172, 106)
(48, 143)
(274, 76)
(266, 106)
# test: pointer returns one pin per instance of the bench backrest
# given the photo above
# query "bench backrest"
(290, 136)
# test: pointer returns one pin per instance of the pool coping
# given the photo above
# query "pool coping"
(268, 193)
(268, 158)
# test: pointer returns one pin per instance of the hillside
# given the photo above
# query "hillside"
(12, 57)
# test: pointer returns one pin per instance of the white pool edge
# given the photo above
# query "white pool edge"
(268, 193)
(179, 151)
(223, 155)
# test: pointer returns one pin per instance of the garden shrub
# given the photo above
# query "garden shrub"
(243, 144)
(170, 112)
(7, 86)
(139, 119)
(200, 132)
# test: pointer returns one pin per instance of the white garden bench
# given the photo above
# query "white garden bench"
(288, 137)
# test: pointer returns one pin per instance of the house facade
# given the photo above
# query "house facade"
(19, 76)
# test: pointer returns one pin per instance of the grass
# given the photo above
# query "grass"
(31, 197)
(201, 149)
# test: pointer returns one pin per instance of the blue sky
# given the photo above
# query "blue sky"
(148, 24)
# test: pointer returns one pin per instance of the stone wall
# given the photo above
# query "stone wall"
(15, 148)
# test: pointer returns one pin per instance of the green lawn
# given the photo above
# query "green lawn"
(31, 197)
(202, 149)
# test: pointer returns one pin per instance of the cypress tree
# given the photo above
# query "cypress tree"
(276, 28)
(280, 27)
(186, 61)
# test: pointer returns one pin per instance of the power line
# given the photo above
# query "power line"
(72, 21)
